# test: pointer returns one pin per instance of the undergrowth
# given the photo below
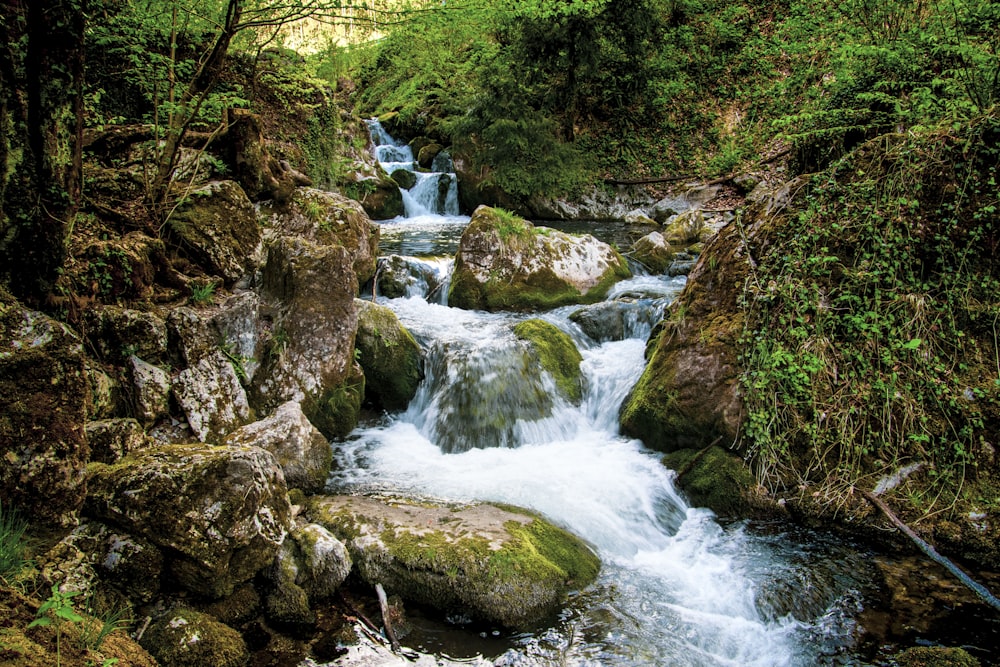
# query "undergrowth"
(871, 336)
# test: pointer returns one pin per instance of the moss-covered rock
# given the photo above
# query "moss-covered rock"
(389, 356)
(328, 218)
(112, 439)
(688, 394)
(187, 638)
(653, 252)
(506, 263)
(116, 333)
(219, 513)
(502, 565)
(299, 448)
(936, 656)
(310, 290)
(44, 394)
(404, 178)
(557, 353)
(217, 226)
(718, 480)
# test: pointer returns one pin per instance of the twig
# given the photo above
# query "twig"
(383, 603)
(697, 457)
(984, 593)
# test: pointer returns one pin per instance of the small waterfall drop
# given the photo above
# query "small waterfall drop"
(434, 192)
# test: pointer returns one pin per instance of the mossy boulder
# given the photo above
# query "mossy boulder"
(685, 228)
(389, 356)
(500, 565)
(653, 252)
(118, 268)
(44, 405)
(309, 290)
(217, 227)
(187, 638)
(716, 479)
(427, 153)
(219, 513)
(404, 178)
(557, 353)
(327, 218)
(936, 656)
(299, 448)
(688, 394)
(112, 439)
(506, 263)
(115, 333)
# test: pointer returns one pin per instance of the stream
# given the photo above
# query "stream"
(678, 586)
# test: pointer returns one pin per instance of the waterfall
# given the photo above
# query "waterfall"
(434, 192)
(677, 587)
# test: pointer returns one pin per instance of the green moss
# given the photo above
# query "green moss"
(540, 547)
(713, 478)
(389, 356)
(936, 656)
(558, 355)
(188, 638)
(336, 412)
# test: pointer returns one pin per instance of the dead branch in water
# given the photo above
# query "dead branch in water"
(984, 593)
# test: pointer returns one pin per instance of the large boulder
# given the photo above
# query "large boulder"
(328, 218)
(217, 226)
(689, 395)
(310, 290)
(302, 452)
(44, 395)
(212, 397)
(219, 513)
(503, 566)
(506, 263)
(389, 356)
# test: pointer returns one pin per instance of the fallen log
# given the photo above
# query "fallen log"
(984, 593)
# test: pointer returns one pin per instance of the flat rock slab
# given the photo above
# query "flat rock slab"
(502, 565)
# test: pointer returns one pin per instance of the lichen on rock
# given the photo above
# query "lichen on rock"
(220, 513)
(506, 263)
(500, 564)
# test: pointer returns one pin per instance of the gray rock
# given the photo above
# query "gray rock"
(218, 513)
(300, 449)
(212, 397)
(389, 356)
(150, 391)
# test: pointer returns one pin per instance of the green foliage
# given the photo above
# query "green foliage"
(872, 318)
(202, 293)
(13, 547)
(55, 611)
(96, 629)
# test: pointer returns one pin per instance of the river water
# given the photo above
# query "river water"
(678, 587)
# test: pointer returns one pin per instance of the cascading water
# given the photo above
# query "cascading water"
(677, 587)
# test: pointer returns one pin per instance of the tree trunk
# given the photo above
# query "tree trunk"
(41, 105)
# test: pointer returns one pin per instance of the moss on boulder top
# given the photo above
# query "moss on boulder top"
(389, 356)
(499, 564)
(557, 354)
(506, 263)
